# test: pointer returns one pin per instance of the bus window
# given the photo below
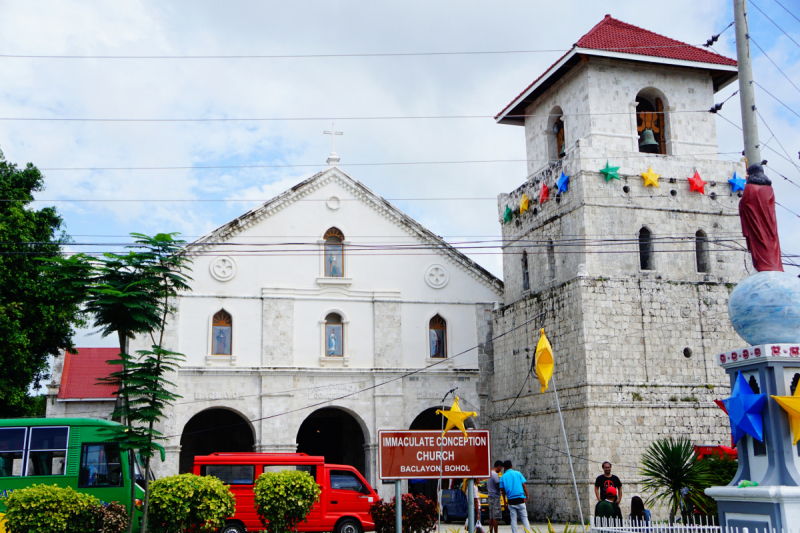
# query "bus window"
(12, 448)
(100, 466)
(48, 451)
(231, 474)
(310, 469)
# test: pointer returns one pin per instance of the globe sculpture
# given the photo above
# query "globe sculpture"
(765, 308)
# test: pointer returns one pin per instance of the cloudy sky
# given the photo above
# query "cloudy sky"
(322, 88)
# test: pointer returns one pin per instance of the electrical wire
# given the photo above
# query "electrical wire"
(776, 99)
(767, 147)
(774, 64)
(776, 139)
(792, 14)
(774, 23)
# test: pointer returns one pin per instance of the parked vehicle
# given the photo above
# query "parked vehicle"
(68, 452)
(483, 492)
(343, 505)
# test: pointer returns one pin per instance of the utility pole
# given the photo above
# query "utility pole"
(747, 95)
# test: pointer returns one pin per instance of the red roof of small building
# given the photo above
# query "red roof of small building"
(82, 370)
(612, 35)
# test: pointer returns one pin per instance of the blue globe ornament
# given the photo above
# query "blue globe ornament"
(765, 308)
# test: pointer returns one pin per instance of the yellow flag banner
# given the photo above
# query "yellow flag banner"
(544, 361)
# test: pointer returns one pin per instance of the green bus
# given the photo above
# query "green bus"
(68, 452)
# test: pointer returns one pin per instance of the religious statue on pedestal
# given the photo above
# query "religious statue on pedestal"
(759, 222)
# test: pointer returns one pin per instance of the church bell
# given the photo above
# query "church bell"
(647, 140)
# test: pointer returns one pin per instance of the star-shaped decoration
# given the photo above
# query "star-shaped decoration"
(744, 410)
(544, 194)
(737, 183)
(455, 418)
(610, 172)
(544, 361)
(791, 404)
(563, 183)
(523, 203)
(650, 177)
(696, 183)
(507, 215)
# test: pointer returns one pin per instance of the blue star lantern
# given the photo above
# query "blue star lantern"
(563, 183)
(737, 183)
(744, 409)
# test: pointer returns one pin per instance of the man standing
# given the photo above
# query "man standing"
(606, 480)
(608, 510)
(512, 485)
(493, 488)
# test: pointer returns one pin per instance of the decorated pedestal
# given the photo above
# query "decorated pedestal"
(764, 411)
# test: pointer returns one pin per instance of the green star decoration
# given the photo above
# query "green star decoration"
(610, 172)
(507, 215)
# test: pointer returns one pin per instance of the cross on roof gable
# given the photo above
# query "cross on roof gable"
(613, 38)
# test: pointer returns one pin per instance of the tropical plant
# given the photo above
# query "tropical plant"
(111, 518)
(189, 503)
(49, 509)
(420, 514)
(671, 473)
(284, 499)
(722, 470)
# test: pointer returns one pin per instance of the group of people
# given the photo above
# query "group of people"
(608, 490)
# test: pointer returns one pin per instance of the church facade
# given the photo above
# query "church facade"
(315, 320)
(615, 247)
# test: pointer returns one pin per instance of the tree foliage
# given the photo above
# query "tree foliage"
(284, 499)
(419, 514)
(189, 503)
(36, 318)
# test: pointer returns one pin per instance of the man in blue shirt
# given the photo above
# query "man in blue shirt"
(512, 485)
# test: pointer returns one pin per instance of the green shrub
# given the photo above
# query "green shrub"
(283, 499)
(50, 509)
(419, 514)
(111, 518)
(189, 503)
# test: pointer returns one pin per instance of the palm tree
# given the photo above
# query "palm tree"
(672, 473)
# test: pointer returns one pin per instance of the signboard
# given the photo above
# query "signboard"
(407, 454)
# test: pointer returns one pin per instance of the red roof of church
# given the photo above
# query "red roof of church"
(612, 35)
(83, 369)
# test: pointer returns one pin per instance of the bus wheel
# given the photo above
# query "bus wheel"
(233, 527)
(348, 525)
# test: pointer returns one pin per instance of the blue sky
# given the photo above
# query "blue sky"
(322, 87)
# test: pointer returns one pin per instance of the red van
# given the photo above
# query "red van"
(343, 505)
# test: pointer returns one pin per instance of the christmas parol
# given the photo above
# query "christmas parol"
(696, 183)
(650, 177)
(455, 418)
(523, 203)
(610, 172)
(737, 183)
(563, 183)
(744, 410)
(544, 194)
(791, 404)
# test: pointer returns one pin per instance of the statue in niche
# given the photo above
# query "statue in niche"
(759, 222)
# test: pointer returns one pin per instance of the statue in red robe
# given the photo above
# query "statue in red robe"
(759, 222)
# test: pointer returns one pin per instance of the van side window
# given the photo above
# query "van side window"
(100, 466)
(48, 451)
(12, 448)
(344, 480)
(231, 474)
(310, 469)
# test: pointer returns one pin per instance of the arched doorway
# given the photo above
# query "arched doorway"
(214, 430)
(428, 419)
(334, 434)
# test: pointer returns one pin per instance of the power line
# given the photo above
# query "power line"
(775, 23)
(792, 14)
(777, 141)
(767, 147)
(325, 56)
(777, 99)
(775, 64)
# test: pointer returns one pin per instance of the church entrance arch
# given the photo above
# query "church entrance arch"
(335, 434)
(214, 430)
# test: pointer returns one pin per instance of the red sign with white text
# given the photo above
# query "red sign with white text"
(409, 454)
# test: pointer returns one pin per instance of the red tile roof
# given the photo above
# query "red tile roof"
(82, 370)
(613, 35)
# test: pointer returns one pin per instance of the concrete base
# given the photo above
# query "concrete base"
(758, 507)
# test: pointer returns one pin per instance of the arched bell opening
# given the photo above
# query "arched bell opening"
(216, 430)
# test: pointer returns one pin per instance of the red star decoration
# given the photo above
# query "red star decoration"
(697, 184)
(544, 194)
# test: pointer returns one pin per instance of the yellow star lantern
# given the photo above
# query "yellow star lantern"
(523, 204)
(650, 177)
(544, 361)
(791, 404)
(455, 418)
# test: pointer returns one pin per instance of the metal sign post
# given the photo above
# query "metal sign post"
(471, 499)
(398, 506)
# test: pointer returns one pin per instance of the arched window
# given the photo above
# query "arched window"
(551, 260)
(221, 333)
(438, 337)
(650, 123)
(556, 127)
(646, 250)
(334, 253)
(334, 335)
(701, 251)
(526, 282)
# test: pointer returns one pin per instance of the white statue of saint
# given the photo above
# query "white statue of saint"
(332, 344)
(333, 269)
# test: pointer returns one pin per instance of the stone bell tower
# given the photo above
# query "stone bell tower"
(623, 242)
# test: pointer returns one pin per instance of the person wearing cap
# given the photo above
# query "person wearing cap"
(605, 480)
(608, 508)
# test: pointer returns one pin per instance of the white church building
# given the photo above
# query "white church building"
(312, 323)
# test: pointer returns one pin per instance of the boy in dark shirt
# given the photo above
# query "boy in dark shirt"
(608, 509)
(606, 480)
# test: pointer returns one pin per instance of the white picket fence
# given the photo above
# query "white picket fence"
(659, 525)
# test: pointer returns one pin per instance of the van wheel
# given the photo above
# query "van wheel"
(233, 527)
(348, 525)
(446, 517)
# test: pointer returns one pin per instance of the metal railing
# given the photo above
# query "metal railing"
(662, 525)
